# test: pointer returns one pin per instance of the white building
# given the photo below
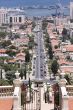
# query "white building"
(3, 16)
(13, 16)
(16, 18)
(71, 10)
(65, 95)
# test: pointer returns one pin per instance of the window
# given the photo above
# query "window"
(20, 19)
(10, 19)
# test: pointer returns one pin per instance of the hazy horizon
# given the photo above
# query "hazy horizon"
(13, 3)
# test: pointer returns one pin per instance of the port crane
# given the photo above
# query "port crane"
(61, 7)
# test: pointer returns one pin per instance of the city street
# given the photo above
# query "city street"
(40, 62)
(40, 68)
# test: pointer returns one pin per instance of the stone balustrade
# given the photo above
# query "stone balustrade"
(6, 91)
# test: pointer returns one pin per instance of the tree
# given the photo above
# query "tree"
(12, 47)
(10, 75)
(67, 77)
(25, 71)
(31, 38)
(11, 52)
(3, 34)
(3, 82)
(31, 42)
(33, 25)
(56, 46)
(22, 72)
(68, 58)
(46, 44)
(6, 67)
(47, 39)
(64, 34)
(9, 67)
(55, 67)
(27, 56)
(56, 96)
(44, 24)
(30, 45)
(16, 36)
(50, 52)
(71, 40)
(2, 59)
(6, 43)
(10, 35)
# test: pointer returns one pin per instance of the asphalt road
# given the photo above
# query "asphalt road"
(40, 67)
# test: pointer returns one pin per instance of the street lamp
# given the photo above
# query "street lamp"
(30, 88)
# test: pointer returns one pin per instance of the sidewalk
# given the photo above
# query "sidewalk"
(46, 106)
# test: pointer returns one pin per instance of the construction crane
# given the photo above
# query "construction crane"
(59, 9)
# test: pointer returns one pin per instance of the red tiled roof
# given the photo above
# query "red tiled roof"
(2, 50)
(54, 42)
(6, 104)
(52, 37)
(12, 61)
(69, 48)
(20, 58)
(62, 61)
(20, 54)
(67, 69)
(57, 50)
(22, 40)
(70, 103)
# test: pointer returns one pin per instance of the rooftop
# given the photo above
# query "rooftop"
(6, 104)
(69, 48)
(70, 103)
(67, 69)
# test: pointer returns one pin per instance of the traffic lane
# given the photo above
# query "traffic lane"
(38, 67)
(39, 53)
(43, 66)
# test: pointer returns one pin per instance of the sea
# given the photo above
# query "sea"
(43, 12)
(36, 12)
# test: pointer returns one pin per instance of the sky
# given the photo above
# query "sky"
(31, 2)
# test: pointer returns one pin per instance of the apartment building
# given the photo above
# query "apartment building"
(71, 10)
(3, 16)
(65, 96)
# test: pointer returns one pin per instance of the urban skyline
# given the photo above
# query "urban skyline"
(36, 57)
